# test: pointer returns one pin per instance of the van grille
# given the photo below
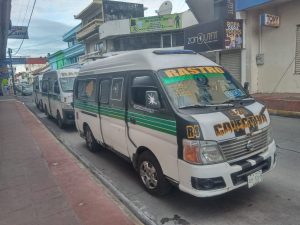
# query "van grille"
(237, 148)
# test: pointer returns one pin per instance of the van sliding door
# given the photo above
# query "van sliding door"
(112, 113)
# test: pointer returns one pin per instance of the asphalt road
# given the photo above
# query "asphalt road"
(276, 201)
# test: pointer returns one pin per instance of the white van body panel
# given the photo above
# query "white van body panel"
(161, 136)
(58, 103)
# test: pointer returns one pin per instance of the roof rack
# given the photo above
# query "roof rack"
(173, 52)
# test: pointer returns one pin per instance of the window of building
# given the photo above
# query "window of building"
(297, 60)
(87, 89)
(178, 39)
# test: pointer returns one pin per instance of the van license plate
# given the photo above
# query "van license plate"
(255, 178)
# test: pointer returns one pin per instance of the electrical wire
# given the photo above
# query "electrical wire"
(27, 28)
(25, 12)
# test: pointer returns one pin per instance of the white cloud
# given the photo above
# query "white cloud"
(52, 18)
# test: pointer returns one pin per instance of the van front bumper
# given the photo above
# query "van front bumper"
(68, 116)
(217, 179)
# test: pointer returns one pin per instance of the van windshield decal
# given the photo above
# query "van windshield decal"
(190, 73)
(200, 85)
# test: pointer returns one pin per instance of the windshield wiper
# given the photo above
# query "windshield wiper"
(239, 100)
(206, 105)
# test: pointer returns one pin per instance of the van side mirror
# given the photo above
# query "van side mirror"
(152, 100)
(246, 86)
(72, 104)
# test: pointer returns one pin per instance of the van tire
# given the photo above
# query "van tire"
(90, 141)
(47, 113)
(150, 172)
(60, 122)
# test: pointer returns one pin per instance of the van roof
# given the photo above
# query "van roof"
(148, 59)
(50, 73)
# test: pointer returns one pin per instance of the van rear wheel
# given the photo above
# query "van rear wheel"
(152, 176)
(90, 140)
(60, 122)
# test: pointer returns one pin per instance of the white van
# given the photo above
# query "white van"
(37, 91)
(178, 117)
(57, 95)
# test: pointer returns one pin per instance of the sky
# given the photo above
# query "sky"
(52, 18)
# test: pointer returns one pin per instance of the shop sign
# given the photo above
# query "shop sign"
(204, 37)
(215, 35)
(156, 23)
(18, 32)
(233, 34)
(270, 20)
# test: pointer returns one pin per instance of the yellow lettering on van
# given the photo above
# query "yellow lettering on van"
(183, 72)
(210, 69)
(193, 70)
(171, 73)
(202, 70)
(219, 70)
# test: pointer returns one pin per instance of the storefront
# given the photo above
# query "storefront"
(221, 41)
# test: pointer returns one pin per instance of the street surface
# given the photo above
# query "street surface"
(276, 201)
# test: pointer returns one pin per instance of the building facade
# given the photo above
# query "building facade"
(75, 49)
(94, 15)
(68, 57)
(145, 32)
(272, 45)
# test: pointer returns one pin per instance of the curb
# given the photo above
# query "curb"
(145, 219)
(278, 112)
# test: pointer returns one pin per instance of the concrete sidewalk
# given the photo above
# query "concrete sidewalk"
(42, 183)
(281, 104)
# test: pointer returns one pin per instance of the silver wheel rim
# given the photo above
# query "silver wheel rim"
(148, 175)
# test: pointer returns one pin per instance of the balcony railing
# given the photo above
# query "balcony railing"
(88, 29)
(90, 57)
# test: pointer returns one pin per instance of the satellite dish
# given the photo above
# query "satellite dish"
(165, 8)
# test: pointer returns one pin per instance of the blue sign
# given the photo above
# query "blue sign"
(20, 61)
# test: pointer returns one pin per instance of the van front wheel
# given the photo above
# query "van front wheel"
(152, 176)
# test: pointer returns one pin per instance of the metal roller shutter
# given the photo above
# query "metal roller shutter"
(297, 61)
(232, 62)
(210, 55)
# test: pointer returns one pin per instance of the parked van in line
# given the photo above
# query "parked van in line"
(57, 95)
(178, 117)
(37, 91)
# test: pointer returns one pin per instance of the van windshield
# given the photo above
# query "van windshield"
(67, 84)
(192, 86)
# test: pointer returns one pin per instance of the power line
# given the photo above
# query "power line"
(25, 12)
(27, 28)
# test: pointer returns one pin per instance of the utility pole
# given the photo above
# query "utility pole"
(12, 70)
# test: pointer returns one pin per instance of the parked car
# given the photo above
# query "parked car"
(26, 89)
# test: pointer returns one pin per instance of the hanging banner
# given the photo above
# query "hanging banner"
(156, 23)
(18, 32)
(233, 34)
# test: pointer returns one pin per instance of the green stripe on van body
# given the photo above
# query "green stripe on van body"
(154, 123)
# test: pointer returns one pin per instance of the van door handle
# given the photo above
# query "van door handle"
(132, 120)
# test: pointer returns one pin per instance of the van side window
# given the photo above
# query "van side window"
(104, 91)
(45, 86)
(116, 89)
(86, 89)
(139, 86)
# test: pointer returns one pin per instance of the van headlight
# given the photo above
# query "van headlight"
(270, 137)
(201, 152)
